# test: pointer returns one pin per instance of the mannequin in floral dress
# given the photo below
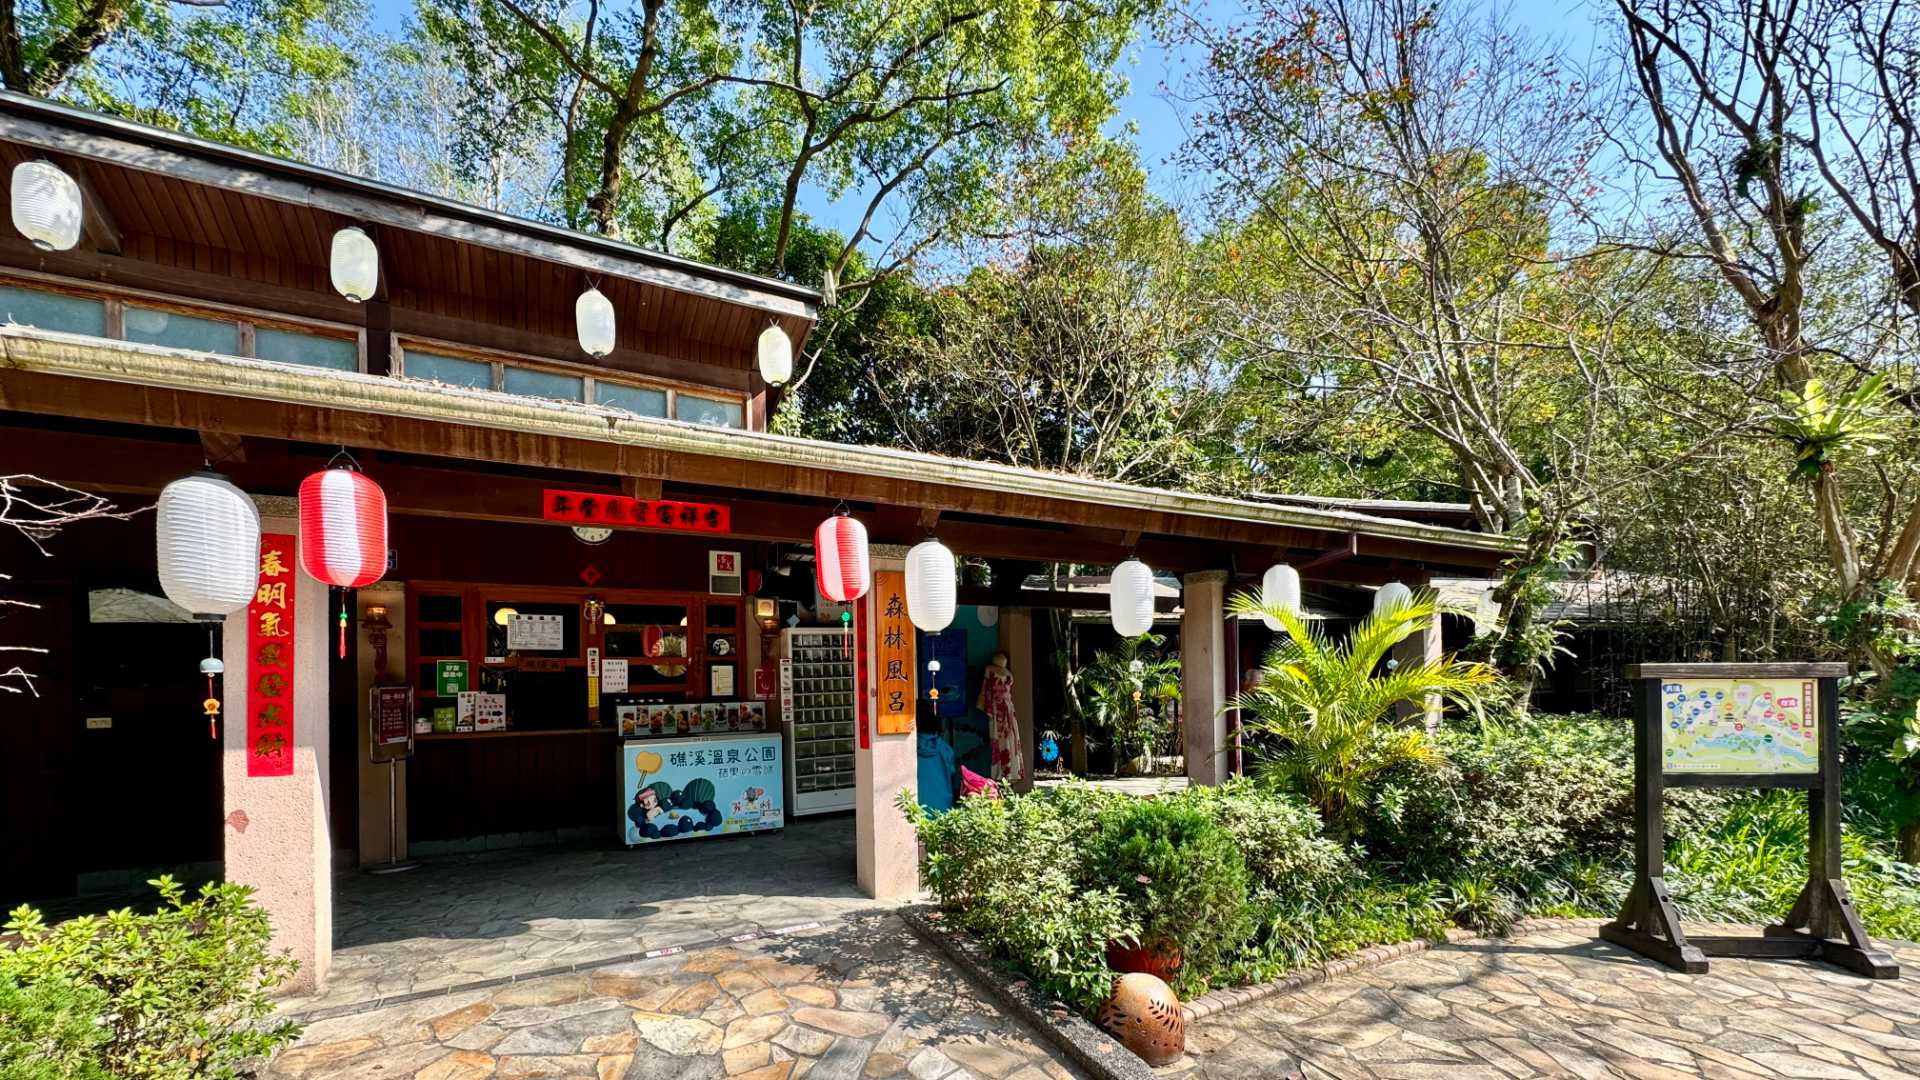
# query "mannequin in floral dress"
(996, 700)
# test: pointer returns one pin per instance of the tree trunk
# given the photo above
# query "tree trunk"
(1909, 841)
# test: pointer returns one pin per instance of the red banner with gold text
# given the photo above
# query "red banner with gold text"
(270, 661)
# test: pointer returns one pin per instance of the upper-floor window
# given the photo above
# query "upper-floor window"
(704, 410)
(535, 378)
(162, 323)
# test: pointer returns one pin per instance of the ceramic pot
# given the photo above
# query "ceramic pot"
(1159, 959)
(1145, 1016)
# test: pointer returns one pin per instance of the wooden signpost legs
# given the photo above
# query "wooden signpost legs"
(1823, 923)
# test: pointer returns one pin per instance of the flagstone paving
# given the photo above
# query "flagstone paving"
(459, 919)
(861, 999)
(1560, 1003)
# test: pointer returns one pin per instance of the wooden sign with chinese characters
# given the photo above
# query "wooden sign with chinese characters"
(894, 676)
(619, 511)
(270, 621)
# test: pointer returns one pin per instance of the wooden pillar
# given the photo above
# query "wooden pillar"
(276, 834)
(1203, 684)
(1016, 640)
(887, 856)
(1422, 647)
(372, 779)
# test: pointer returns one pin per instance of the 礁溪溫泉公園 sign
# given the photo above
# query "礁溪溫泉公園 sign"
(1753, 726)
(1741, 725)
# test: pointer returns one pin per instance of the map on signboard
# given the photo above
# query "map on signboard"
(1740, 726)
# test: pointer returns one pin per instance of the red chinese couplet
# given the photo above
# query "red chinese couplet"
(270, 661)
(593, 508)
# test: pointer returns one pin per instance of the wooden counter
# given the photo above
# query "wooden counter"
(483, 783)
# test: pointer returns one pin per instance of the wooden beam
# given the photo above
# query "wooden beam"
(641, 487)
(1332, 555)
(221, 447)
(96, 220)
(1053, 599)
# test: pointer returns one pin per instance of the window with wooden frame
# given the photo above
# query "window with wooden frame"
(49, 302)
(667, 639)
(557, 380)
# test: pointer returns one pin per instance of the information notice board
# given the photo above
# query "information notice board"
(1755, 726)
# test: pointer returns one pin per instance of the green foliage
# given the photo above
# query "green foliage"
(1288, 860)
(1185, 875)
(1818, 425)
(184, 992)
(1128, 690)
(1321, 723)
(50, 1030)
(1360, 913)
(1011, 872)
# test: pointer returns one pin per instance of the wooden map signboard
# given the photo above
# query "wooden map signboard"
(1741, 725)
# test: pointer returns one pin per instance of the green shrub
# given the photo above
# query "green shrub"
(1289, 935)
(1186, 877)
(51, 1030)
(1278, 835)
(1011, 872)
(180, 993)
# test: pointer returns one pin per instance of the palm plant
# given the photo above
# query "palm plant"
(1321, 719)
(1126, 690)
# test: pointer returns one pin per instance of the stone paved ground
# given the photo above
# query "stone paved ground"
(1563, 1004)
(862, 998)
(463, 918)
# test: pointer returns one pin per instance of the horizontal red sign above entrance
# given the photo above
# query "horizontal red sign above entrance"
(619, 511)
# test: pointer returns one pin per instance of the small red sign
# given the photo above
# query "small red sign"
(619, 511)
(393, 715)
(270, 661)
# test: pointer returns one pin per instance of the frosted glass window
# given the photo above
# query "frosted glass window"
(449, 369)
(643, 400)
(178, 331)
(699, 410)
(53, 311)
(312, 350)
(545, 384)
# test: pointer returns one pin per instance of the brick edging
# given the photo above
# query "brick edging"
(1215, 1002)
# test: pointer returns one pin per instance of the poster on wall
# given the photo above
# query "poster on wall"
(720, 680)
(270, 621)
(536, 633)
(679, 789)
(613, 676)
(392, 715)
(1740, 726)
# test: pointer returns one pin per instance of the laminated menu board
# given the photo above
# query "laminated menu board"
(536, 633)
(481, 712)
(676, 789)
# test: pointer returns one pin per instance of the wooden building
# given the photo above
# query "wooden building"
(194, 325)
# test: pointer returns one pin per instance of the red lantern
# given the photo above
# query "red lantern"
(343, 528)
(840, 559)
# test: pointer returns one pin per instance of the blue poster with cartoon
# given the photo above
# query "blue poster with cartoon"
(675, 789)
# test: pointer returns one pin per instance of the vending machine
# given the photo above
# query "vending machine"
(816, 699)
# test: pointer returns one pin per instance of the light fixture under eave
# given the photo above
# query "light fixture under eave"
(593, 319)
(355, 266)
(46, 205)
(775, 352)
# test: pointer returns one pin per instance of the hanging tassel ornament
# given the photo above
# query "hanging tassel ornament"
(343, 622)
(211, 667)
(933, 688)
(846, 634)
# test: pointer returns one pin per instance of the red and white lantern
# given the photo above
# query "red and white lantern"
(343, 528)
(840, 559)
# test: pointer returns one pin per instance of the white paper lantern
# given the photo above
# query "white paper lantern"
(1390, 596)
(209, 544)
(1130, 590)
(1280, 588)
(930, 586)
(356, 264)
(46, 206)
(775, 351)
(593, 317)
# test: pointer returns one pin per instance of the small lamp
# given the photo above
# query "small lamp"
(375, 622)
(766, 611)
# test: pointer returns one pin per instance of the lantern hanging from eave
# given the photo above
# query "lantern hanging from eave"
(355, 265)
(593, 318)
(46, 205)
(840, 559)
(931, 582)
(775, 352)
(1130, 591)
(208, 535)
(1279, 588)
(1391, 597)
(343, 533)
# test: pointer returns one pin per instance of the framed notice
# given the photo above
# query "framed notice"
(270, 622)
(720, 680)
(392, 710)
(613, 676)
(449, 677)
(536, 633)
